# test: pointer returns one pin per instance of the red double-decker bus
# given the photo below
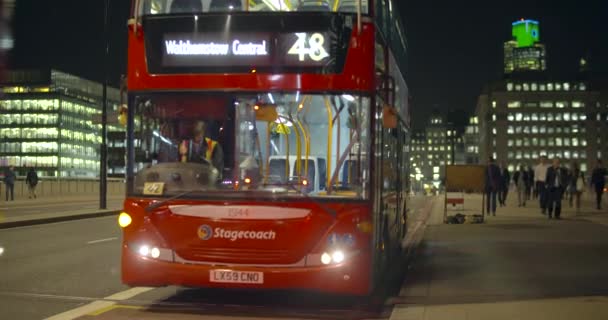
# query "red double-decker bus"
(267, 144)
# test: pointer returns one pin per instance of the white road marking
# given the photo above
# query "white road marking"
(101, 240)
(99, 304)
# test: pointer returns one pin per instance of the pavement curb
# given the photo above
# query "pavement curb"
(80, 216)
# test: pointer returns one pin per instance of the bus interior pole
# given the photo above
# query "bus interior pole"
(103, 161)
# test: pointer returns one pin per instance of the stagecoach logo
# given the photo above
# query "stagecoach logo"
(205, 233)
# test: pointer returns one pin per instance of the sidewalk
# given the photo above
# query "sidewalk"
(24, 212)
(516, 265)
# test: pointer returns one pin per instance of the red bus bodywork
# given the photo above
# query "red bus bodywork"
(292, 261)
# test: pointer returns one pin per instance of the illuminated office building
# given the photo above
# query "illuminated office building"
(519, 120)
(432, 150)
(47, 122)
(524, 52)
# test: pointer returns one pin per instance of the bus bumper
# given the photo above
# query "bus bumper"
(351, 277)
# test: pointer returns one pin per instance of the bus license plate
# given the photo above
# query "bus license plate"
(229, 276)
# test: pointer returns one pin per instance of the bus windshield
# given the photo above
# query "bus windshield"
(151, 7)
(222, 144)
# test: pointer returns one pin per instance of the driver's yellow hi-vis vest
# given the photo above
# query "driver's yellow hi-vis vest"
(208, 153)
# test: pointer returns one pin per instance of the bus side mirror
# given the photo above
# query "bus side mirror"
(389, 117)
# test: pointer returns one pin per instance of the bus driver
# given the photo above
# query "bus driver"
(201, 148)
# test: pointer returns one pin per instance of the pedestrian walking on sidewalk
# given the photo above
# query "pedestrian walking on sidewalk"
(540, 174)
(520, 178)
(530, 184)
(32, 180)
(9, 182)
(576, 186)
(598, 180)
(505, 181)
(492, 182)
(555, 185)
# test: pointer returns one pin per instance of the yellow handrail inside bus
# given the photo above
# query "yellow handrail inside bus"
(305, 131)
(329, 139)
(336, 4)
(268, 130)
(280, 118)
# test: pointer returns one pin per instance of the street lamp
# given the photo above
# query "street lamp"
(103, 165)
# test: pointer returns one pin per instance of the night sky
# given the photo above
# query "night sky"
(454, 46)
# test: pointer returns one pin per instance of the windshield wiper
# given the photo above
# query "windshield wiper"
(163, 202)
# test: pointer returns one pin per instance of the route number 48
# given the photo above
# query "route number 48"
(311, 46)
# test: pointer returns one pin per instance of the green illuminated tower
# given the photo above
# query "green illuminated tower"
(524, 53)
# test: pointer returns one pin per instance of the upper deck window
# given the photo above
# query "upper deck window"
(151, 7)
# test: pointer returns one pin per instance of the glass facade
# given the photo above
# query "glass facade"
(51, 128)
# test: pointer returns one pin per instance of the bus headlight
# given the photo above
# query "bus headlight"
(155, 253)
(337, 256)
(144, 250)
(325, 258)
(124, 220)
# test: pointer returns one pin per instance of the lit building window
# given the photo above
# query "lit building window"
(493, 117)
(578, 104)
(494, 155)
(546, 104)
(535, 154)
(527, 155)
(549, 86)
(583, 154)
(510, 142)
(518, 155)
(582, 86)
(510, 130)
(567, 142)
(511, 167)
(526, 142)
(542, 87)
(582, 117)
(543, 142)
(561, 104)
(526, 117)
(575, 142)
(534, 142)
(510, 86)
(558, 130)
(518, 142)
(558, 86)
(527, 129)
(549, 116)
(542, 117)
(567, 154)
(534, 117)
(550, 130)
(510, 117)
(558, 142)
(584, 167)
(583, 142)
(574, 116)
(526, 87)
(566, 116)
(518, 116)
(566, 86)
(493, 104)
(518, 87)
(494, 131)
(574, 154)
(513, 104)
(518, 129)
(534, 86)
